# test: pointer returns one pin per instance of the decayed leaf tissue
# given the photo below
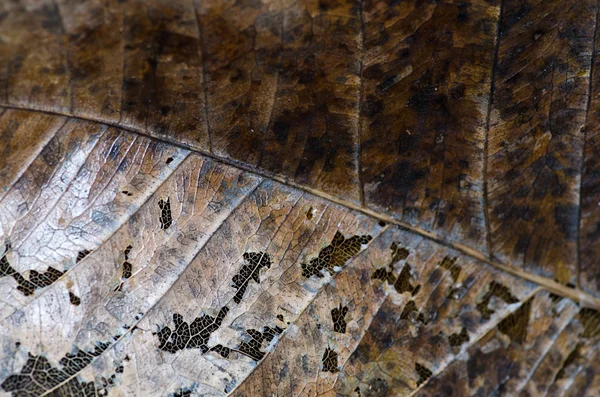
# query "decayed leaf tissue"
(299, 198)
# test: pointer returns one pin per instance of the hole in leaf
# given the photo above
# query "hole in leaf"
(498, 290)
(190, 336)
(74, 299)
(460, 338)
(423, 372)
(334, 255)
(165, 213)
(81, 255)
(515, 325)
(330, 361)
(253, 347)
(250, 271)
(337, 315)
(309, 213)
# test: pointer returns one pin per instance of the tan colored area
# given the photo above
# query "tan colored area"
(319, 198)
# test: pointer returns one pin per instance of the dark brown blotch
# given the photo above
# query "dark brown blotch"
(423, 373)
(515, 325)
(330, 361)
(74, 299)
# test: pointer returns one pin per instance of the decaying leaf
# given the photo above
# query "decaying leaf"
(317, 198)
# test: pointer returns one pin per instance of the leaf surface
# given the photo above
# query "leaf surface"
(298, 198)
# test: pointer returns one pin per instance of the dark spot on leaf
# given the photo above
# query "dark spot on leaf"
(379, 387)
(373, 106)
(568, 361)
(74, 299)
(566, 218)
(190, 336)
(253, 348)
(402, 282)
(450, 265)
(515, 325)
(254, 262)
(81, 255)
(590, 320)
(334, 255)
(165, 110)
(456, 340)
(388, 83)
(337, 316)
(330, 361)
(165, 213)
(463, 12)
(281, 129)
(423, 372)
(38, 376)
(412, 313)
(498, 290)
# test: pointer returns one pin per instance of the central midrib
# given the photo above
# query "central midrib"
(575, 294)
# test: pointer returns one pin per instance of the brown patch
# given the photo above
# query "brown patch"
(422, 114)
(590, 319)
(541, 90)
(498, 290)
(515, 325)
(450, 265)
(423, 373)
(309, 213)
(458, 339)
(74, 299)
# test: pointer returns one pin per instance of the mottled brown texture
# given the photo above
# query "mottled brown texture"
(444, 115)
(283, 88)
(35, 66)
(175, 292)
(536, 135)
(413, 334)
(24, 134)
(544, 361)
(426, 82)
(316, 198)
(277, 88)
(589, 216)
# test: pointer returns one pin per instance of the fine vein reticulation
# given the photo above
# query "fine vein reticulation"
(302, 198)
